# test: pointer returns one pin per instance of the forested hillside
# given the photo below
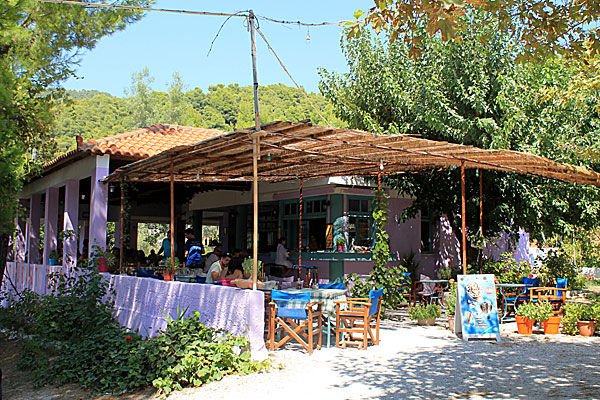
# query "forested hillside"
(94, 114)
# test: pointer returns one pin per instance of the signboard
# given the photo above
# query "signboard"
(329, 237)
(476, 307)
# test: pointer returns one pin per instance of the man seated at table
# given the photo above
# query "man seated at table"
(213, 257)
(219, 268)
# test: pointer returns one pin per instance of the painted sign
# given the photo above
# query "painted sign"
(329, 237)
(476, 307)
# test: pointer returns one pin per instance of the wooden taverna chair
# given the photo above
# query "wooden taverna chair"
(294, 316)
(355, 325)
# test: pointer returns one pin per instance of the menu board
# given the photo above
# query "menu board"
(476, 307)
(329, 237)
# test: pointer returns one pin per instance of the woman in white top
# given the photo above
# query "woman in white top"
(282, 254)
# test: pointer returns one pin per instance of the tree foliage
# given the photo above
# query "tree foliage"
(541, 27)
(471, 91)
(40, 44)
(93, 114)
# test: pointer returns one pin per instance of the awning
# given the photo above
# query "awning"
(291, 150)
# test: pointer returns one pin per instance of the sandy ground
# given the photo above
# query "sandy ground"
(413, 362)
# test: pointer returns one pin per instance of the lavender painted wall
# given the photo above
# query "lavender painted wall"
(50, 222)
(34, 228)
(71, 221)
(98, 204)
(494, 250)
(140, 302)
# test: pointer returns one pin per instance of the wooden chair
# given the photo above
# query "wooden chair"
(557, 296)
(355, 325)
(422, 290)
(294, 323)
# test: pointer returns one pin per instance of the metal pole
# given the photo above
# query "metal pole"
(122, 229)
(172, 238)
(480, 171)
(463, 217)
(300, 239)
(255, 152)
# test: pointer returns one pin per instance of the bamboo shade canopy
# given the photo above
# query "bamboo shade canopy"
(290, 150)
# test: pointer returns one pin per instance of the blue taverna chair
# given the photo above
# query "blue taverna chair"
(338, 285)
(555, 295)
(294, 316)
(355, 325)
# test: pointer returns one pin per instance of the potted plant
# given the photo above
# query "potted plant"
(525, 316)
(169, 273)
(424, 314)
(545, 315)
(588, 314)
(451, 304)
(103, 260)
(340, 243)
(53, 258)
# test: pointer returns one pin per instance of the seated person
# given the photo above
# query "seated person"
(213, 257)
(218, 269)
(235, 271)
(281, 257)
(313, 245)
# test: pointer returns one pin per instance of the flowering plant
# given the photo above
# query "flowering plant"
(508, 270)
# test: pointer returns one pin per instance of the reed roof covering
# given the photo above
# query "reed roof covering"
(290, 150)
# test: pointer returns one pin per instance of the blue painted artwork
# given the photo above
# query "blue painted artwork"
(477, 306)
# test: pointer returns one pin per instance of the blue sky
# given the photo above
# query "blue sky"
(166, 43)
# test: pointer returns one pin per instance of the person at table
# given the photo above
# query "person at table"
(313, 245)
(193, 250)
(213, 257)
(165, 247)
(281, 258)
(218, 269)
(235, 270)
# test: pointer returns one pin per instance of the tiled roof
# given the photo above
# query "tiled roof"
(143, 142)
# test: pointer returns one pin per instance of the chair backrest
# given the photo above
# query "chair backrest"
(562, 284)
(428, 288)
(375, 297)
(283, 298)
(529, 282)
(338, 285)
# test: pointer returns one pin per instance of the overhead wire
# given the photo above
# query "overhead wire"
(291, 77)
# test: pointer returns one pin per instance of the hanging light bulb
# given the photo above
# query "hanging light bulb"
(268, 156)
(198, 175)
(307, 35)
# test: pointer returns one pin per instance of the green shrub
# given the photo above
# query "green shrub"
(188, 353)
(543, 311)
(527, 310)
(74, 339)
(422, 311)
(451, 301)
(569, 321)
(558, 265)
(507, 269)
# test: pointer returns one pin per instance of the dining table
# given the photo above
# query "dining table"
(510, 293)
(436, 292)
(328, 297)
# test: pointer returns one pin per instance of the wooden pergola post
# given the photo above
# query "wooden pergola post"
(480, 171)
(255, 151)
(122, 229)
(300, 239)
(172, 238)
(463, 217)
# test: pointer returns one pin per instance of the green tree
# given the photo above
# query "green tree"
(39, 48)
(142, 101)
(541, 27)
(471, 91)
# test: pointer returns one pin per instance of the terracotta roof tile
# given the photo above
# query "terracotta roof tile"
(143, 142)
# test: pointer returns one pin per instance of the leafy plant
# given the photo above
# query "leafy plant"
(168, 263)
(248, 266)
(389, 278)
(527, 310)
(53, 254)
(569, 321)
(451, 300)
(507, 269)
(543, 311)
(340, 242)
(422, 311)
(558, 265)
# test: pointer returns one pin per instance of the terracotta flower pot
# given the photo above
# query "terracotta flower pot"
(169, 275)
(426, 321)
(524, 325)
(451, 323)
(551, 325)
(102, 266)
(586, 328)
(340, 247)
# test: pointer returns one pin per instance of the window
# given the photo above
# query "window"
(360, 220)
(314, 216)
(426, 232)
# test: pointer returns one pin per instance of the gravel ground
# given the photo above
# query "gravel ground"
(414, 362)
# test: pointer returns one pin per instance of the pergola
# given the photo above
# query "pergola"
(300, 150)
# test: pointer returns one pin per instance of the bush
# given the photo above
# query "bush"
(74, 339)
(422, 311)
(558, 265)
(543, 311)
(451, 301)
(527, 310)
(188, 353)
(569, 321)
(507, 269)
